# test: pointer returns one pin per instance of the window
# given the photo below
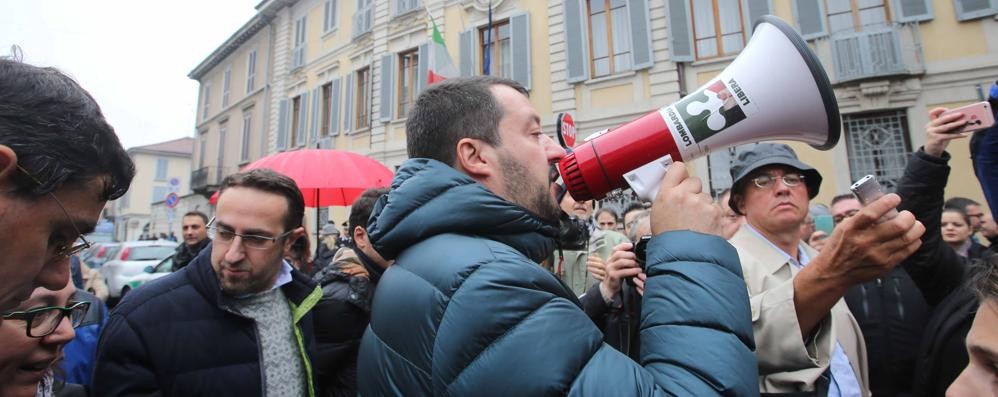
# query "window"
(245, 147)
(250, 71)
(971, 9)
(362, 100)
(495, 50)
(206, 97)
(221, 150)
(405, 6)
(298, 52)
(161, 168)
(201, 150)
(226, 79)
(363, 18)
(326, 118)
(296, 119)
(609, 39)
(717, 28)
(852, 16)
(877, 144)
(329, 16)
(159, 193)
(408, 75)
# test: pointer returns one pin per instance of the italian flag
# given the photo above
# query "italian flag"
(440, 65)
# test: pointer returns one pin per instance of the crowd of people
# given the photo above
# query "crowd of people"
(477, 272)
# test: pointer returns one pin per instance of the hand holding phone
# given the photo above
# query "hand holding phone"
(978, 115)
(867, 190)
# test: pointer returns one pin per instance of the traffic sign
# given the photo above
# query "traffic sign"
(172, 199)
(174, 181)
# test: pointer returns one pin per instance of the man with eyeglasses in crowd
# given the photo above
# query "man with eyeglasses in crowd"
(892, 314)
(60, 162)
(236, 321)
(807, 341)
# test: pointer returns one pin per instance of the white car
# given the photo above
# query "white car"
(148, 274)
(132, 259)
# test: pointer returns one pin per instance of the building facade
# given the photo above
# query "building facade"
(342, 74)
(161, 169)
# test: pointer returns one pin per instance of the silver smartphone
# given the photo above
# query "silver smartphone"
(867, 190)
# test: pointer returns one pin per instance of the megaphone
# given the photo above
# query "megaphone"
(776, 89)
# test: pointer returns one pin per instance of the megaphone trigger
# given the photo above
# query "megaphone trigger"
(645, 180)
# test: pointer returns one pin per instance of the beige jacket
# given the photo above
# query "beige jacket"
(787, 363)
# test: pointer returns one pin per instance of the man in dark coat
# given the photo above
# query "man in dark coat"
(344, 311)
(466, 309)
(236, 322)
(195, 229)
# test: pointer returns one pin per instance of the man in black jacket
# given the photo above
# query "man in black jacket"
(195, 227)
(344, 311)
(236, 321)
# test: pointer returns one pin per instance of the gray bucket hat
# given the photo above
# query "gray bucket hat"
(751, 158)
(329, 229)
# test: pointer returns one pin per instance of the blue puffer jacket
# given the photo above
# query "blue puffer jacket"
(466, 310)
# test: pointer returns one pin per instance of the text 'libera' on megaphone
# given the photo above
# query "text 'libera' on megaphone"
(775, 89)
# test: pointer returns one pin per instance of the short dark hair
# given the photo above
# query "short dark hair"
(966, 218)
(59, 134)
(609, 211)
(843, 196)
(197, 213)
(634, 206)
(271, 181)
(360, 211)
(457, 108)
(959, 203)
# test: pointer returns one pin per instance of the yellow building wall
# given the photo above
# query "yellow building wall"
(945, 38)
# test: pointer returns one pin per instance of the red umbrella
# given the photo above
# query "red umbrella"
(327, 177)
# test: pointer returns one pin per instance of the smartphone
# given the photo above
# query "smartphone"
(824, 223)
(867, 190)
(979, 116)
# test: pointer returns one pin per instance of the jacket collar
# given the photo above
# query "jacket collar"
(204, 280)
(769, 258)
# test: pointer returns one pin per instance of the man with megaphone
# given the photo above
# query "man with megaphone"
(807, 340)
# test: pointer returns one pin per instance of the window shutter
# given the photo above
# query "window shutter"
(282, 126)
(334, 107)
(810, 16)
(422, 67)
(756, 9)
(302, 118)
(912, 10)
(387, 87)
(519, 42)
(313, 131)
(641, 51)
(680, 31)
(970, 9)
(468, 46)
(348, 110)
(576, 42)
(370, 95)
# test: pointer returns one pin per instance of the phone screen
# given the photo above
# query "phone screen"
(824, 223)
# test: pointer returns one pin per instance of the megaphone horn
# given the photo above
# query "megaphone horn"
(775, 89)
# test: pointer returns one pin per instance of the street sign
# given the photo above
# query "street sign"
(174, 181)
(172, 199)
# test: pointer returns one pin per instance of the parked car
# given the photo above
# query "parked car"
(132, 259)
(148, 274)
(99, 253)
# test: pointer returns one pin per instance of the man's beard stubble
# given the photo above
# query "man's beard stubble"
(536, 198)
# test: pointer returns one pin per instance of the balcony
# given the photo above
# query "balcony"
(205, 180)
(875, 52)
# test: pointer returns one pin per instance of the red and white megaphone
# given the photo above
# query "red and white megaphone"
(776, 89)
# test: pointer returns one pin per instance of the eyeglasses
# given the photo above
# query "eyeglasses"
(841, 217)
(67, 249)
(43, 321)
(222, 236)
(789, 180)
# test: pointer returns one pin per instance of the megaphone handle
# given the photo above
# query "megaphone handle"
(645, 180)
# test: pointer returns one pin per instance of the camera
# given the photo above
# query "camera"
(573, 233)
(639, 248)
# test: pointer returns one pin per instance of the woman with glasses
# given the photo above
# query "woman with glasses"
(33, 336)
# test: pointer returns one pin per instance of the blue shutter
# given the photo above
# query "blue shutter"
(680, 31)
(282, 126)
(313, 131)
(468, 46)
(334, 107)
(387, 87)
(756, 9)
(970, 9)
(348, 110)
(423, 66)
(519, 43)
(576, 42)
(912, 10)
(810, 16)
(302, 119)
(641, 50)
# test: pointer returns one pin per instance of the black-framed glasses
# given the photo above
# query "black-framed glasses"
(43, 321)
(223, 236)
(789, 180)
(66, 249)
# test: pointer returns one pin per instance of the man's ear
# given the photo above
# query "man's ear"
(360, 236)
(291, 238)
(475, 158)
(8, 164)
